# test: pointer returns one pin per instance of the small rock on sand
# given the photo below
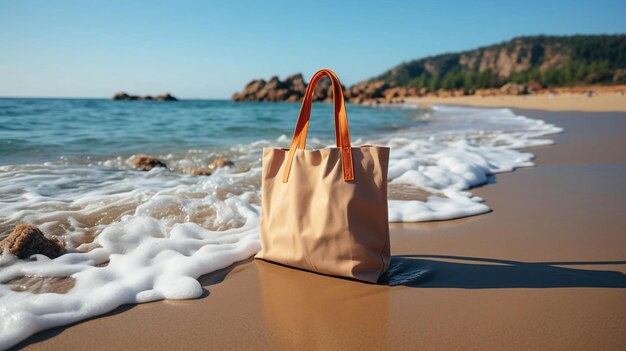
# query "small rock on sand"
(146, 163)
(27, 240)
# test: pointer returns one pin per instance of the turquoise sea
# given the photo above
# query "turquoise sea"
(75, 130)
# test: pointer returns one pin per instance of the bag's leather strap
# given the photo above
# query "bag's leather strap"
(342, 133)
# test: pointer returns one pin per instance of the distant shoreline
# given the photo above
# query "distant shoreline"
(609, 102)
(602, 101)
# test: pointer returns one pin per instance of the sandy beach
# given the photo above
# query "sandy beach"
(601, 102)
(544, 270)
(463, 168)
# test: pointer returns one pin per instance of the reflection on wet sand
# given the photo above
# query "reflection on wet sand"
(297, 309)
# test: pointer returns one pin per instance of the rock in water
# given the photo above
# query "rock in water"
(222, 162)
(292, 89)
(201, 171)
(146, 163)
(27, 240)
(296, 84)
(121, 96)
(217, 163)
(166, 97)
(367, 92)
(250, 92)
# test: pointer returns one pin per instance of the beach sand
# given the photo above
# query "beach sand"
(605, 102)
(544, 270)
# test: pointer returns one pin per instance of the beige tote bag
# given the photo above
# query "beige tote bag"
(326, 210)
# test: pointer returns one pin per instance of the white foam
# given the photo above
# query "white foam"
(159, 230)
(449, 161)
(145, 263)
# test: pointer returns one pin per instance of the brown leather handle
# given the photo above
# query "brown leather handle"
(342, 132)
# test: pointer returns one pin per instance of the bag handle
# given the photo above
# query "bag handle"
(342, 132)
(306, 110)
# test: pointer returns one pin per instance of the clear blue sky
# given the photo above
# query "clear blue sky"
(206, 49)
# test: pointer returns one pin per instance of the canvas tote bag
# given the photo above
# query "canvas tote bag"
(326, 210)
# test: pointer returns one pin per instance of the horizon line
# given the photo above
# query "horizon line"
(97, 98)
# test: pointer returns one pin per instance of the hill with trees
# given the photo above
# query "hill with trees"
(518, 66)
(551, 61)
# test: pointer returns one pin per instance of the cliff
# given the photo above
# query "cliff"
(547, 60)
(518, 66)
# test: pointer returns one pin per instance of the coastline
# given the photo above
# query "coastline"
(602, 102)
(523, 276)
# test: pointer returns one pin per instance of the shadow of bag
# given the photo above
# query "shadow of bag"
(326, 210)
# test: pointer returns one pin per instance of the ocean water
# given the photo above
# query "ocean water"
(137, 236)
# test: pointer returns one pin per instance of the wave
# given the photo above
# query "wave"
(136, 237)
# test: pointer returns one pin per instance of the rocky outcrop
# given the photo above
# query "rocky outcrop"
(367, 91)
(376, 92)
(164, 97)
(146, 163)
(122, 96)
(324, 90)
(27, 240)
(291, 89)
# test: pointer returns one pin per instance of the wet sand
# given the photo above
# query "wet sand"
(602, 102)
(544, 270)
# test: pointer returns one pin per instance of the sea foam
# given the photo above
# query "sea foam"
(136, 237)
